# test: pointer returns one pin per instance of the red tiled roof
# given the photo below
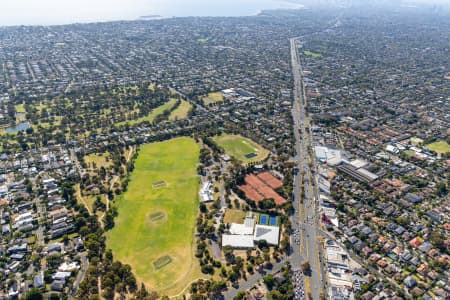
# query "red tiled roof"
(415, 242)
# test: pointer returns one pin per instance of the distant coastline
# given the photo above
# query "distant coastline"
(151, 17)
(284, 5)
(223, 8)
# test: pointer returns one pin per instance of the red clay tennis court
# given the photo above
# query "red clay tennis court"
(256, 189)
(270, 180)
(251, 193)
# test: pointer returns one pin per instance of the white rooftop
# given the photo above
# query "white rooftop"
(368, 173)
(392, 149)
(61, 275)
(331, 156)
(246, 228)
(205, 192)
(237, 240)
(269, 233)
(68, 267)
(226, 157)
(358, 163)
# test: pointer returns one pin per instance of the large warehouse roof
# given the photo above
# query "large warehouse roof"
(237, 240)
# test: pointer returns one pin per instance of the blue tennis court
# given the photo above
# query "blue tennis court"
(263, 219)
(273, 221)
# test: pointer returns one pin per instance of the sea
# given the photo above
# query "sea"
(54, 12)
(214, 8)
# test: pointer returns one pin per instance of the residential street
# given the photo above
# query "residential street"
(80, 276)
(251, 281)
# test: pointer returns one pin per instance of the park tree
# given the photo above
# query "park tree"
(437, 239)
(441, 189)
(34, 294)
(262, 244)
(53, 296)
(267, 204)
(276, 295)
(54, 260)
(239, 296)
(306, 267)
(269, 281)
(228, 252)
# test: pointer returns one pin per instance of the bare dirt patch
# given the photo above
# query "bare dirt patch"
(162, 262)
(154, 217)
(159, 184)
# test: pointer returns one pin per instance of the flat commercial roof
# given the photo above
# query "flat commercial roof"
(269, 233)
(368, 174)
(246, 228)
(358, 163)
(237, 240)
(360, 174)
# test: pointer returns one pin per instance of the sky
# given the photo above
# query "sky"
(32, 12)
(49, 12)
(65, 11)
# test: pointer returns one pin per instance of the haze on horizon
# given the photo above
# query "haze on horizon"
(52, 12)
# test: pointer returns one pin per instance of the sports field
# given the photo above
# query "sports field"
(439, 147)
(241, 148)
(154, 231)
(312, 54)
(213, 98)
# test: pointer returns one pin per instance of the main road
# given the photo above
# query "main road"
(305, 200)
(305, 188)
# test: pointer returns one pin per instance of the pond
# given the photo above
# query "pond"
(19, 127)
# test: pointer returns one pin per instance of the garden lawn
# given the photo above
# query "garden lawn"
(19, 108)
(234, 216)
(239, 146)
(139, 241)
